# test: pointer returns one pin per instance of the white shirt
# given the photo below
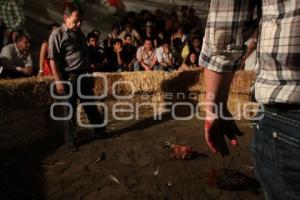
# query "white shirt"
(162, 56)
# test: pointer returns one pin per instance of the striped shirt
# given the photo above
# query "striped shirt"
(12, 15)
(230, 24)
(68, 49)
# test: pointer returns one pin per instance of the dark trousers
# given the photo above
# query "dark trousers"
(93, 114)
(276, 149)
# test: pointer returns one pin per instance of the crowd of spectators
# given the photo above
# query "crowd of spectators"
(142, 41)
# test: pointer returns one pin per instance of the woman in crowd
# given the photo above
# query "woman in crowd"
(190, 63)
(44, 63)
(113, 35)
(128, 29)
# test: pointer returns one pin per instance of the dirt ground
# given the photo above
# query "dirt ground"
(133, 166)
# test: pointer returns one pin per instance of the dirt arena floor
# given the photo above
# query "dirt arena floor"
(133, 165)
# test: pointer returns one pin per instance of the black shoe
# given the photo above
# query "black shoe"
(71, 147)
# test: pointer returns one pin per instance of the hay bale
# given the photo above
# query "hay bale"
(32, 92)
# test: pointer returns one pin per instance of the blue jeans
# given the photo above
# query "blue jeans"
(276, 149)
(137, 67)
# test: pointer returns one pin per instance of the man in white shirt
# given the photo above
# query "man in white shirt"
(165, 56)
(16, 58)
(146, 57)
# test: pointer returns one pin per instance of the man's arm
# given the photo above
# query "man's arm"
(154, 61)
(228, 27)
(139, 57)
(145, 66)
(42, 57)
(54, 56)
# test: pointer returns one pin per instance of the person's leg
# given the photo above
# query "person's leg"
(136, 66)
(276, 149)
(93, 114)
(158, 68)
(70, 125)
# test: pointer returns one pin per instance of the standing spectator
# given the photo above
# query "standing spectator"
(113, 35)
(128, 29)
(145, 16)
(115, 57)
(170, 24)
(44, 63)
(13, 17)
(179, 34)
(146, 57)
(129, 53)
(183, 18)
(190, 63)
(276, 145)
(95, 52)
(165, 56)
(193, 20)
(159, 19)
(16, 58)
(149, 32)
(68, 60)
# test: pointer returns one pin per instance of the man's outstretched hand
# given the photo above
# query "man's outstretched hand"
(216, 130)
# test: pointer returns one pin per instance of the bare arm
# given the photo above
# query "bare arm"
(43, 54)
(153, 63)
(119, 58)
(145, 66)
(57, 77)
(221, 56)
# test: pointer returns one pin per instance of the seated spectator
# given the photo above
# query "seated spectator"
(150, 33)
(113, 35)
(16, 58)
(190, 63)
(136, 38)
(97, 32)
(114, 57)
(95, 53)
(194, 32)
(44, 63)
(179, 34)
(177, 49)
(165, 56)
(129, 53)
(196, 46)
(146, 57)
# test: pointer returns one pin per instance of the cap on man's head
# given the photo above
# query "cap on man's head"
(149, 23)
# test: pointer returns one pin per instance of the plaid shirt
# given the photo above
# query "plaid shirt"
(230, 24)
(12, 15)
